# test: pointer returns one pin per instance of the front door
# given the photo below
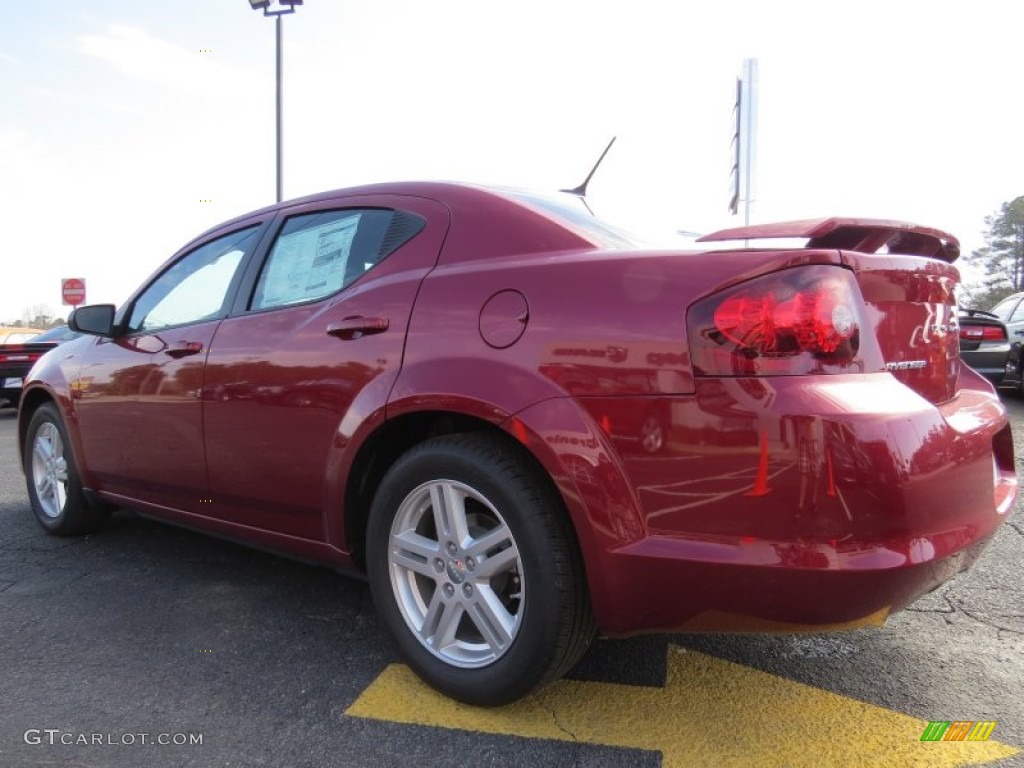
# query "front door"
(138, 396)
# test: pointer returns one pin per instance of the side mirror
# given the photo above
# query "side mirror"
(94, 319)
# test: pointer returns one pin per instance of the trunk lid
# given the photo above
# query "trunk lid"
(908, 290)
(911, 307)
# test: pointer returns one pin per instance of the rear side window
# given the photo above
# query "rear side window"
(318, 254)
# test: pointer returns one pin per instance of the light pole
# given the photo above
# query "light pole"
(277, 9)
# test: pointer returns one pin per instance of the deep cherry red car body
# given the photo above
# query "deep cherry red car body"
(746, 439)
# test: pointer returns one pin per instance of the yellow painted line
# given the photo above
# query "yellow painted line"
(710, 713)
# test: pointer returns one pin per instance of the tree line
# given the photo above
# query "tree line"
(1002, 256)
(38, 316)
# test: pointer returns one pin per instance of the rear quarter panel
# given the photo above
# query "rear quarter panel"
(598, 324)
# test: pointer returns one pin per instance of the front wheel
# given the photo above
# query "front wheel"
(474, 567)
(54, 488)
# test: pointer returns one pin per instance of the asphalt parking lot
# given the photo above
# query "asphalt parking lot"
(147, 645)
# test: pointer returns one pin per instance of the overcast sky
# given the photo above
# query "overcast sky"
(121, 118)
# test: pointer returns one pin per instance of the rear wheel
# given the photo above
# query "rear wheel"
(54, 488)
(475, 569)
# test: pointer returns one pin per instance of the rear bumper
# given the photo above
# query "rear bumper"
(9, 374)
(803, 503)
(753, 589)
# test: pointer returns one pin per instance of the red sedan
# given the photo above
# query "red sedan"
(525, 429)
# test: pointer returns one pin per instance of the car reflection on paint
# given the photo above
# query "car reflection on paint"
(525, 428)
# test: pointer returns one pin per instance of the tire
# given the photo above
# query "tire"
(496, 608)
(54, 488)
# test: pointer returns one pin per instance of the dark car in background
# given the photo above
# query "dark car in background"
(1011, 312)
(19, 355)
(984, 343)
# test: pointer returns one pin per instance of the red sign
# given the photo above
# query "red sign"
(72, 291)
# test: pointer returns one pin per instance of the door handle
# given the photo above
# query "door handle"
(1018, 333)
(184, 349)
(357, 327)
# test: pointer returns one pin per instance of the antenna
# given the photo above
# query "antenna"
(581, 190)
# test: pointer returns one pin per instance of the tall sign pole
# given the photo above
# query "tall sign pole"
(280, 109)
(277, 8)
(744, 168)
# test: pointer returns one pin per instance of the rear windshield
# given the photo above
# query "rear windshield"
(573, 213)
(60, 333)
(17, 338)
(1003, 309)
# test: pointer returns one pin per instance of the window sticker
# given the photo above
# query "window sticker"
(310, 263)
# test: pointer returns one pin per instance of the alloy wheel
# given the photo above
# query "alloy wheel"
(49, 469)
(456, 573)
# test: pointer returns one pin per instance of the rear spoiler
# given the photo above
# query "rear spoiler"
(864, 235)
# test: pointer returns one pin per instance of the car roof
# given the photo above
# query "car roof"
(514, 225)
(443, 191)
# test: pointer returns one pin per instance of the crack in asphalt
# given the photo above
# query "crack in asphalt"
(558, 725)
(1016, 526)
(953, 608)
(1000, 631)
(991, 622)
(947, 613)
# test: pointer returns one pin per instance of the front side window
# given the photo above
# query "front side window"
(318, 254)
(195, 288)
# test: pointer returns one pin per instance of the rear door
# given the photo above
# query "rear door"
(311, 351)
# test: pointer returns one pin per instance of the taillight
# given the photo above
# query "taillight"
(983, 333)
(19, 356)
(801, 320)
